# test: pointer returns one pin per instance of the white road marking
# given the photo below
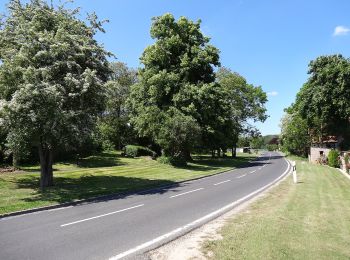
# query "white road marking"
(221, 182)
(185, 193)
(100, 216)
(253, 171)
(260, 168)
(241, 176)
(198, 221)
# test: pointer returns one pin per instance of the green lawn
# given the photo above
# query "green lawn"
(309, 220)
(107, 173)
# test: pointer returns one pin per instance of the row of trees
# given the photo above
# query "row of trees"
(322, 106)
(59, 92)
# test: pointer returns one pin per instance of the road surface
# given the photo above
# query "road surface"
(129, 226)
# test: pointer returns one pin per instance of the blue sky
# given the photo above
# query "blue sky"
(269, 42)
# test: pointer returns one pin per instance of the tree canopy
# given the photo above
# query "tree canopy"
(177, 81)
(322, 106)
(324, 100)
(51, 78)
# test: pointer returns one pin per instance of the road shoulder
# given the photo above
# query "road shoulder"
(189, 245)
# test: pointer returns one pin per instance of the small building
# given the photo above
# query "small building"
(320, 149)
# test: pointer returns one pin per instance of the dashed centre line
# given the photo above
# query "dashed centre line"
(221, 182)
(253, 171)
(100, 216)
(241, 176)
(177, 195)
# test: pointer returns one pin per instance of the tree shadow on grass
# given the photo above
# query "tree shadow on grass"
(90, 186)
(206, 163)
(104, 159)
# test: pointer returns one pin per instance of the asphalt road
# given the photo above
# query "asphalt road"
(131, 225)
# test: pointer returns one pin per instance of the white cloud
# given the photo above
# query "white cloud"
(272, 93)
(341, 30)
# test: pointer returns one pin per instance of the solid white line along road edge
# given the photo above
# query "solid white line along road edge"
(100, 216)
(221, 182)
(186, 193)
(194, 223)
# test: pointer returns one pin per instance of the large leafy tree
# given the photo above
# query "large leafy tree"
(51, 78)
(324, 100)
(294, 134)
(113, 125)
(177, 83)
(245, 103)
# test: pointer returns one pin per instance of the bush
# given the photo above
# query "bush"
(135, 151)
(272, 147)
(333, 159)
(175, 161)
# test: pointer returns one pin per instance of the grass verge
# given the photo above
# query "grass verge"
(104, 174)
(307, 220)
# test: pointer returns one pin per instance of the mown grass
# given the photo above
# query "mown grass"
(308, 220)
(103, 174)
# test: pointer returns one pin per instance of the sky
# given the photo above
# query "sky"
(269, 42)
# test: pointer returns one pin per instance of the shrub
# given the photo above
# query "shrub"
(175, 161)
(135, 151)
(333, 159)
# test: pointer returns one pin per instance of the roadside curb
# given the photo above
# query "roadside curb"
(107, 197)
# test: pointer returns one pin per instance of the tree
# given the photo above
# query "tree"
(257, 142)
(177, 80)
(294, 134)
(324, 100)
(245, 102)
(114, 124)
(51, 78)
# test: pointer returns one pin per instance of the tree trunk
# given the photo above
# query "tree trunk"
(219, 153)
(14, 160)
(234, 154)
(46, 171)
(188, 156)
(212, 153)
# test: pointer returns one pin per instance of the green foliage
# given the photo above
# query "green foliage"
(257, 142)
(333, 158)
(51, 77)
(178, 134)
(113, 126)
(243, 141)
(136, 151)
(294, 134)
(171, 160)
(272, 147)
(324, 100)
(243, 102)
(177, 80)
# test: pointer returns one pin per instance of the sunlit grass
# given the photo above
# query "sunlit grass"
(103, 174)
(308, 220)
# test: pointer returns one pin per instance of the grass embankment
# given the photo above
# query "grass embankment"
(107, 173)
(308, 220)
